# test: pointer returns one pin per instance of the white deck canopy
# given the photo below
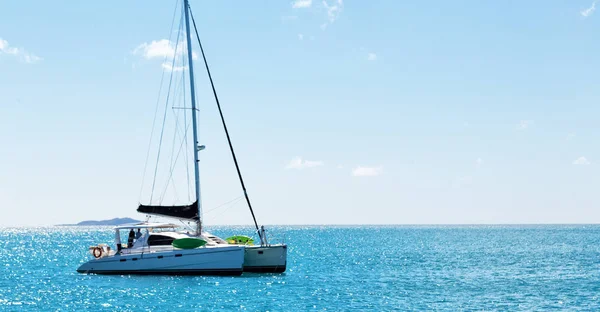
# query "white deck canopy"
(146, 225)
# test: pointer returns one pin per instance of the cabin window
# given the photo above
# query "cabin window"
(159, 240)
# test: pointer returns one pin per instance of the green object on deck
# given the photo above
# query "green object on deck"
(188, 243)
(240, 240)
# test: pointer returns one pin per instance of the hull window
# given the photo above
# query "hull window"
(160, 240)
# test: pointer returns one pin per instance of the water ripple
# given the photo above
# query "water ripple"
(329, 268)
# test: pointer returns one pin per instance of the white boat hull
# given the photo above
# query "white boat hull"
(227, 260)
(265, 259)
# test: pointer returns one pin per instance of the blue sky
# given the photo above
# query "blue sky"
(353, 112)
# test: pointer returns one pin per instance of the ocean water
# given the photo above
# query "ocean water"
(442, 268)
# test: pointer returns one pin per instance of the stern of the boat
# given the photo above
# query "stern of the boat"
(265, 259)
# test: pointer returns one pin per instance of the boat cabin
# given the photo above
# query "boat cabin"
(156, 236)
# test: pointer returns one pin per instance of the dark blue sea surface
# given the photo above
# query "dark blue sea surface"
(335, 268)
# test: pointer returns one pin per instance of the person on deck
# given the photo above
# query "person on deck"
(138, 234)
(130, 238)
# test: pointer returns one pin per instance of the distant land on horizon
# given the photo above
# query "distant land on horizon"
(115, 221)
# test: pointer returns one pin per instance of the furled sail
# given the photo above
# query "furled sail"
(189, 212)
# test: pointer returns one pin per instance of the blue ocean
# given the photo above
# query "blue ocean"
(336, 268)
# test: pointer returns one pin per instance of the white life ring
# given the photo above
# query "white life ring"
(97, 252)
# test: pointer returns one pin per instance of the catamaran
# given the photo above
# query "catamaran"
(160, 248)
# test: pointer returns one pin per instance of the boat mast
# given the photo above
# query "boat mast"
(194, 122)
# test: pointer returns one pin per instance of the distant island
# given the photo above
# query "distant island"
(115, 221)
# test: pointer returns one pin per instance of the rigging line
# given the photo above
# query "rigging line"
(221, 205)
(176, 115)
(225, 210)
(173, 162)
(176, 199)
(156, 108)
(187, 168)
(170, 180)
(176, 158)
(165, 115)
(189, 228)
(237, 167)
(172, 170)
(175, 191)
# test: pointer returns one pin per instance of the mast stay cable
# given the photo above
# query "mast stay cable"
(164, 117)
(237, 167)
(156, 108)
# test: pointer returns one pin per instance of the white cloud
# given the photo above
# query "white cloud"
(299, 163)
(367, 171)
(20, 53)
(334, 9)
(162, 49)
(31, 58)
(524, 124)
(581, 161)
(589, 11)
(170, 67)
(300, 4)
(479, 162)
(300, 37)
(372, 57)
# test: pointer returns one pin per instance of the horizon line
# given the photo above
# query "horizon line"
(332, 225)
